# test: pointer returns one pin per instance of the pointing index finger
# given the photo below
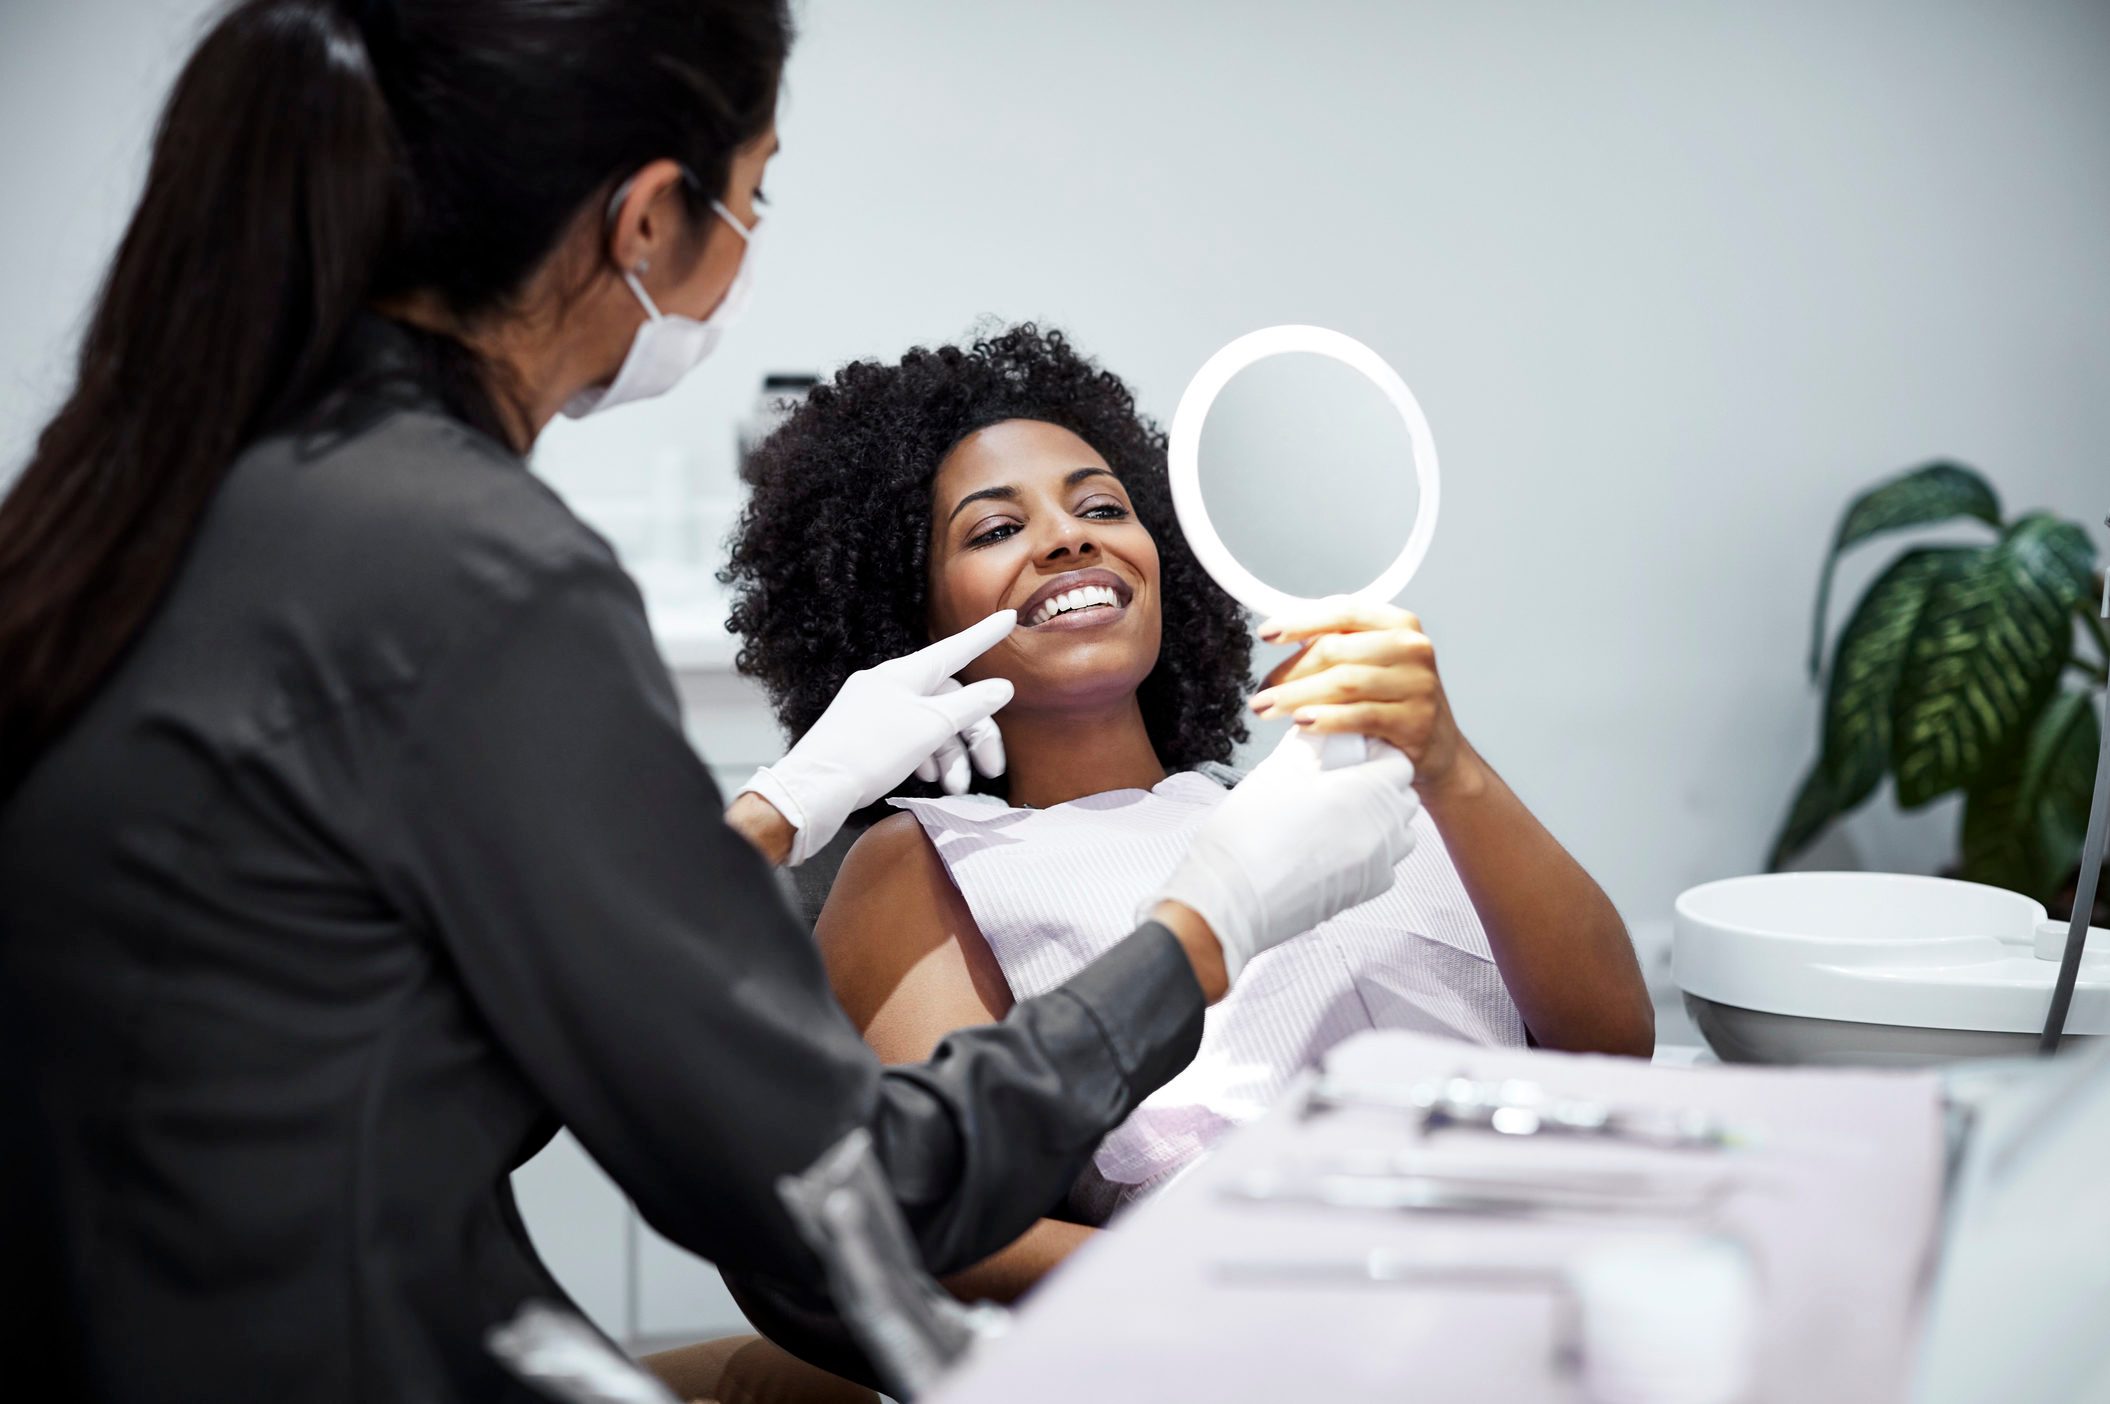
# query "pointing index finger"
(948, 655)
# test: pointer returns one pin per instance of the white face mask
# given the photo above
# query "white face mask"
(666, 348)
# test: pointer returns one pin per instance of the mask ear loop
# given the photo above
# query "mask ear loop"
(637, 288)
(631, 276)
(746, 232)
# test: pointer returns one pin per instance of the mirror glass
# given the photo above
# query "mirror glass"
(1307, 469)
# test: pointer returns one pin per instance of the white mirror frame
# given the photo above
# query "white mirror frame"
(1183, 455)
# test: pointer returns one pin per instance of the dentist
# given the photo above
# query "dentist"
(349, 840)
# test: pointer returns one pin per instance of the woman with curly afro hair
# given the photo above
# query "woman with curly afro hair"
(904, 502)
(833, 553)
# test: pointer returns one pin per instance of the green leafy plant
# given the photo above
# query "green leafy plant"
(1958, 670)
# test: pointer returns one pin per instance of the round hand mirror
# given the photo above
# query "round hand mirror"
(1321, 412)
(1289, 419)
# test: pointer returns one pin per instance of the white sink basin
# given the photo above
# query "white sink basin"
(1871, 968)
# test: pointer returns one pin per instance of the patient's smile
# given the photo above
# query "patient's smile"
(1091, 597)
(1080, 599)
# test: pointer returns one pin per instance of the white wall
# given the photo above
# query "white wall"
(80, 84)
(1671, 281)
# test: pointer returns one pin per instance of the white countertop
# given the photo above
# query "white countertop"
(1198, 1294)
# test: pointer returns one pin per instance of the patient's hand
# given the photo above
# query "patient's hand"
(1561, 947)
(1367, 669)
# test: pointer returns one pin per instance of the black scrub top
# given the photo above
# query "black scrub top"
(381, 855)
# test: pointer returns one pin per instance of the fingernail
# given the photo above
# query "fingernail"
(1304, 719)
(1270, 631)
(1263, 700)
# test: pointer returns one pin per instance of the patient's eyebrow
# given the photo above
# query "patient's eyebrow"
(1008, 493)
(1005, 494)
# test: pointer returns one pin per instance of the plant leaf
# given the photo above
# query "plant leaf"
(1986, 654)
(1998, 847)
(2024, 822)
(2058, 552)
(1933, 492)
(1814, 807)
(1866, 666)
(2059, 773)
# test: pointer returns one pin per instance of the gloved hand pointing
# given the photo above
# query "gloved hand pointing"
(904, 715)
(1293, 845)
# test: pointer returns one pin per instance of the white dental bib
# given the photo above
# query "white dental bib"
(1054, 889)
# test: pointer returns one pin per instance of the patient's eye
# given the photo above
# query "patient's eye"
(1104, 509)
(996, 532)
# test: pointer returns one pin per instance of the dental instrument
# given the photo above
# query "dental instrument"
(1478, 1196)
(2091, 872)
(1517, 1108)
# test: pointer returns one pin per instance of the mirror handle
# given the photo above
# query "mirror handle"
(1336, 750)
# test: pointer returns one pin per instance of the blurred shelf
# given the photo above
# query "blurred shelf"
(694, 643)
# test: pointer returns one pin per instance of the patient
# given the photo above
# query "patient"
(903, 502)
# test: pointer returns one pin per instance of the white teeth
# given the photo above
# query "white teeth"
(1082, 597)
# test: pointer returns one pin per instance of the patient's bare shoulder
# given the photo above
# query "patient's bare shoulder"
(903, 952)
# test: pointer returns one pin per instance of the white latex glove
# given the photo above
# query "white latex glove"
(905, 715)
(1293, 845)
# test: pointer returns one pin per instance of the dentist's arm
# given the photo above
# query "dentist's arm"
(766, 831)
(1369, 669)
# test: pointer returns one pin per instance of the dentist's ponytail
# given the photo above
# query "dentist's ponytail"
(314, 156)
(269, 199)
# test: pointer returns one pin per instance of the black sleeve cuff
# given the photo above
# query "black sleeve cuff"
(1147, 1004)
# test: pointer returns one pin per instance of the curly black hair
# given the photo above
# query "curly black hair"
(829, 563)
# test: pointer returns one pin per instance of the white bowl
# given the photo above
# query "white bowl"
(1870, 968)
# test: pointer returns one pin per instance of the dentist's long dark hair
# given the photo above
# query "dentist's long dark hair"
(316, 155)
